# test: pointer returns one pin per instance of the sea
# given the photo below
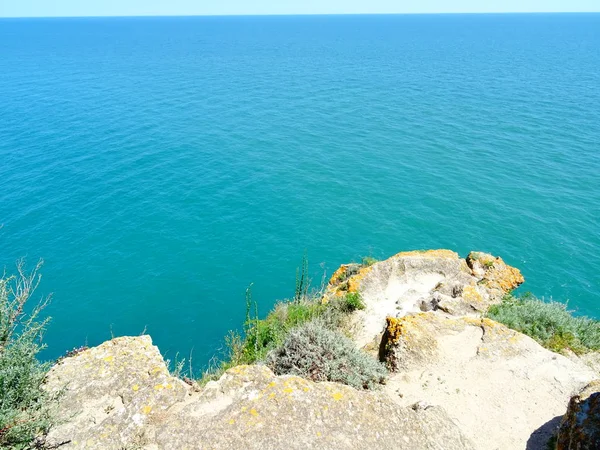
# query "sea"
(162, 165)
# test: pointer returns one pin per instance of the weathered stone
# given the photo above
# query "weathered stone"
(580, 426)
(112, 393)
(492, 272)
(499, 385)
(120, 395)
(415, 281)
(252, 408)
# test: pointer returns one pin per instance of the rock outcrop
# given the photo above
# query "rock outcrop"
(457, 380)
(120, 395)
(499, 385)
(411, 282)
(424, 318)
(580, 426)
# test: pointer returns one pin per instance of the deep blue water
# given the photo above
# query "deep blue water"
(161, 165)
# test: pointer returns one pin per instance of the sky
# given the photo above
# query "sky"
(63, 8)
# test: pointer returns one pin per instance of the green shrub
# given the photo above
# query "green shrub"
(314, 352)
(549, 323)
(368, 261)
(25, 412)
(352, 301)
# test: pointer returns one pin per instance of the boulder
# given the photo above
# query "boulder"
(120, 395)
(499, 385)
(580, 426)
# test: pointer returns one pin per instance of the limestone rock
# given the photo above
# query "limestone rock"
(256, 410)
(580, 426)
(494, 273)
(120, 395)
(112, 393)
(499, 385)
(411, 282)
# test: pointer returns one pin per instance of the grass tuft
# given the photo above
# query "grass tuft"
(352, 302)
(549, 323)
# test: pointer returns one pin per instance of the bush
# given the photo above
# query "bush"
(314, 352)
(25, 412)
(352, 301)
(549, 323)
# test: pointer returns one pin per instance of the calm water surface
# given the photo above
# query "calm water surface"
(161, 165)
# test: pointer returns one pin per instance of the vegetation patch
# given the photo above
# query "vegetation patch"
(368, 261)
(25, 409)
(263, 338)
(317, 353)
(549, 323)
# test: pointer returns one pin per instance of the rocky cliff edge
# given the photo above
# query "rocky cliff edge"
(457, 381)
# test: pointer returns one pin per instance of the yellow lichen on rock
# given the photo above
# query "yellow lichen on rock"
(440, 253)
(355, 280)
(504, 277)
(493, 272)
(471, 294)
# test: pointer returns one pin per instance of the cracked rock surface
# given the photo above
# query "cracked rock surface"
(119, 395)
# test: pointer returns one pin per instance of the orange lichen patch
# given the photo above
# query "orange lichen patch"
(355, 280)
(441, 253)
(503, 277)
(393, 329)
(253, 412)
(396, 328)
(339, 274)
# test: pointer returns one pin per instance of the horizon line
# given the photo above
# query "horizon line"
(442, 13)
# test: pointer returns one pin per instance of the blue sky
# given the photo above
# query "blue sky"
(25, 8)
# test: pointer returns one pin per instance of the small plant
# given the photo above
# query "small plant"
(25, 408)
(352, 302)
(302, 280)
(368, 261)
(488, 264)
(549, 323)
(314, 352)
(176, 367)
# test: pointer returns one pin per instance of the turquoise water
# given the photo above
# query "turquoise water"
(161, 165)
